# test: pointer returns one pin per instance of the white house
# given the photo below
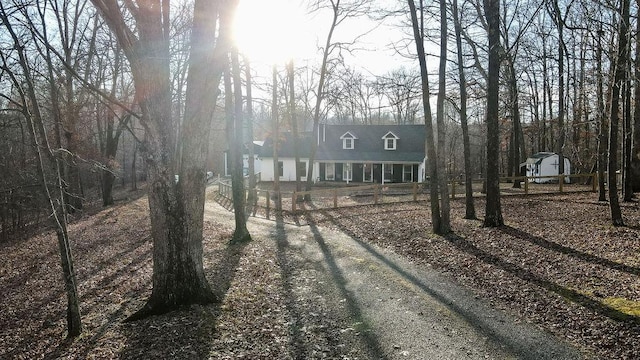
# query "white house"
(352, 153)
(245, 160)
(545, 164)
(286, 158)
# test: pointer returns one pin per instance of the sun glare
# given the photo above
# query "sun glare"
(273, 32)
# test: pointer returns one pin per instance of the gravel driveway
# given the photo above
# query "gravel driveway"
(379, 305)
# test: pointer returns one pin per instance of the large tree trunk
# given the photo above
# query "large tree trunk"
(470, 210)
(493, 210)
(176, 209)
(436, 219)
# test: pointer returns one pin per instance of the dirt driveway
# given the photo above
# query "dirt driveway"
(349, 299)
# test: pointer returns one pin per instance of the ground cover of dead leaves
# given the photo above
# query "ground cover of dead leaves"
(558, 263)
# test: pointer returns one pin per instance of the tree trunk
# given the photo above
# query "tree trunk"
(561, 107)
(176, 209)
(635, 152)
(627, 191)
(603, 127)
(293, 122)
(276, 139)
(516, 135)
(436, 220)
(252, 197)
(620, 67)
(445, 224)
(241, 233)
(493, 210)
(470, 210)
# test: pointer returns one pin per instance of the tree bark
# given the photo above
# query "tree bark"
(252, 197)
(445, 212)
(470, 210)
(493, 209)
(276, 139)
(620, 67)
(176, 209)
(436, 219)
(241, 233)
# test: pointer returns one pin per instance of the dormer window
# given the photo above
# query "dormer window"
(348, 141)
(390, 141)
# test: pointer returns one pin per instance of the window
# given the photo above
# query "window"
(330, 171)
(390, 141)
(302, 168)
(348, 141)
(390, 144)
(407, 173)
(280, 169)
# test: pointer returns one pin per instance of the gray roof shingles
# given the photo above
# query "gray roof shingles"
(369, 145)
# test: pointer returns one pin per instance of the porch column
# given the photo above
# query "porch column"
(382, 182)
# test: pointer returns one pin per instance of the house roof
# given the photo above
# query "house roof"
(286, 146)
(369, 143)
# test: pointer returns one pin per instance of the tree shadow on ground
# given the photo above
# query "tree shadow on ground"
(298, 317)
(465, 245)
(544, 243)
(475, 312)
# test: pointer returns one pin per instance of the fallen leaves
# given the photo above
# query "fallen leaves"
(547, 265)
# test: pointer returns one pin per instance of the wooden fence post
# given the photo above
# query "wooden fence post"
(375, 194)
(594, 182)
(415, 191)
(268, 202)
(561, 182)
(335, 198)
(526, 185)
(293, 201)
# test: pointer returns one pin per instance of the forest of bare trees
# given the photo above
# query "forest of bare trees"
(98, 94)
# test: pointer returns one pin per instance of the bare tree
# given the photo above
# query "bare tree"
(49, 165)
(341, 11)
(176, 209)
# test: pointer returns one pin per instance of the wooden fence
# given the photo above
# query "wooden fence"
(358, 195)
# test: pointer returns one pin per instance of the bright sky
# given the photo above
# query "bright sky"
(275, 31)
